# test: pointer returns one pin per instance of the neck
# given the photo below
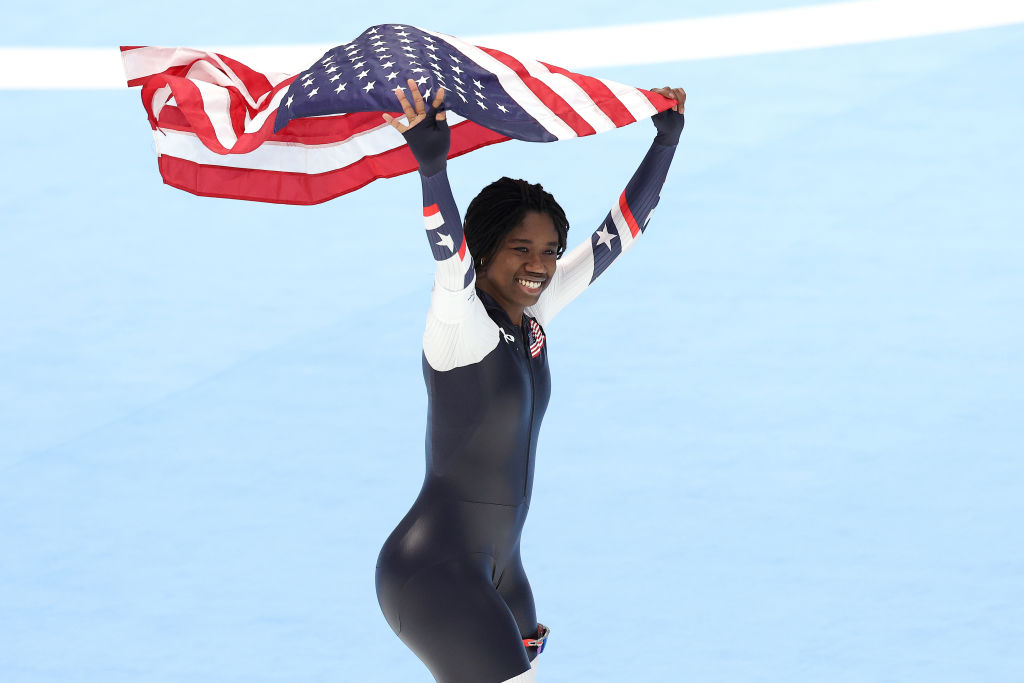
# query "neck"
(513, 310)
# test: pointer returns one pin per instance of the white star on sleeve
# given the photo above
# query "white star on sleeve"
(604, 237)
(446, 241)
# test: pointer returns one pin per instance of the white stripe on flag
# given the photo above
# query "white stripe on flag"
(572, 93)
(256, 122)
(217, 107)
(513, 85)
(288, 157)
(635, 101)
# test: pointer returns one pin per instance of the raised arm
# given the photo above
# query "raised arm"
(458, 330)
(429, 139)
(626, 221)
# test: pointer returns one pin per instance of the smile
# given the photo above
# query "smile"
(529, 284)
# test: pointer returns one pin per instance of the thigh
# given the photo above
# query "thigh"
(515, 590)
(455, 621)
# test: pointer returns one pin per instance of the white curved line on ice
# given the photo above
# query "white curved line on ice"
(732, 35)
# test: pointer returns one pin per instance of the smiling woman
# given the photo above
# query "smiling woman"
(516, 231)
(450, 579)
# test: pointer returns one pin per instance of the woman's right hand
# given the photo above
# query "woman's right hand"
(427, 132)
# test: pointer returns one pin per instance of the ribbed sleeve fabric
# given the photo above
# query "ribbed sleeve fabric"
(621, 228)
(458, 332)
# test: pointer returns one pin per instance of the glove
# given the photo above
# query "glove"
(429, 141)
(669, 125)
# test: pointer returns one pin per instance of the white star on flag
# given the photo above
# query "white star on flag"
(340, 143)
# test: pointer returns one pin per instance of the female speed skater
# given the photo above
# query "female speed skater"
(449, 578)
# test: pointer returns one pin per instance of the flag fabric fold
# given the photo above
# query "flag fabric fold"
(223, 129)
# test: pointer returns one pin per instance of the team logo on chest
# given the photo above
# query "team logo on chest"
(536, 338)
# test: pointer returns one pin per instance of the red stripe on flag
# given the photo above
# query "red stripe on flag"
(660, 102)
(628, 215)
(190, 103)
(319, 130)
(462, 248)
(299, 188)
(545, 94)
(431, 210)
(601, 94)
(255, 82)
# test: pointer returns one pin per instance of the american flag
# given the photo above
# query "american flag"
(536, 338)
(223, 129)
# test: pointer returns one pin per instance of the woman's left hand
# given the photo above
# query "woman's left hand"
(677, 94)
(670, 122)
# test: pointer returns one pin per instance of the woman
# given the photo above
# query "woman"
(450, 580)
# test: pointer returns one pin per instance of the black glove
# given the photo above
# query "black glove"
(670, 125)
(429, 141)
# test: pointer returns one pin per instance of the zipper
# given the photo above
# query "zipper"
(533, 400)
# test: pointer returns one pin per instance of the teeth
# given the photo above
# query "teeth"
(528, 284)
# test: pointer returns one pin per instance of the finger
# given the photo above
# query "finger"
(404, 101)
(438, 98)
(666, 93)
(395, 123)
(417, 98)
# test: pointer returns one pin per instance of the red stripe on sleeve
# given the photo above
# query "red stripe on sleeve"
(628, 215)
(431, 210)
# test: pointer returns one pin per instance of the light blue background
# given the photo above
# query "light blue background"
(785, 436)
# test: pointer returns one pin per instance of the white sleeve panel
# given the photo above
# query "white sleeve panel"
(459, 332)
(573, 275)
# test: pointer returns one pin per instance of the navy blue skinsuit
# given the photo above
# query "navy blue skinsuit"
(450, 579)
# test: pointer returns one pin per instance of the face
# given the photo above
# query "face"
(523, 264)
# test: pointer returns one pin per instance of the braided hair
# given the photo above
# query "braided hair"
(499, 208)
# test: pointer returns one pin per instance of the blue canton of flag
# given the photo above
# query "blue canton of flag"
(363, 74)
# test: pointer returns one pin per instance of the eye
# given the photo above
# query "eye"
(522, 250)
